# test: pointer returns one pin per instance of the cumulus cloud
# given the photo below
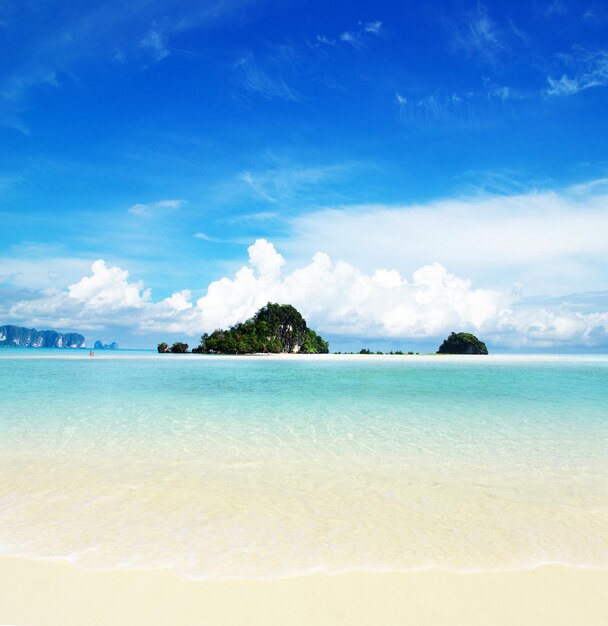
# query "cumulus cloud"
(108, 289)
(335, 297)
(104, 297)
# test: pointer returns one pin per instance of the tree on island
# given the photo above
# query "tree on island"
(162, 348)
(275, 328)
(179, 348)
(462, 343)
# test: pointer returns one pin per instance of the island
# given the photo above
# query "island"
(462, 343)
(177, 348)
(20, 337)
(99, 345)
(274, 329)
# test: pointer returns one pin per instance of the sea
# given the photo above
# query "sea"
(273, 466)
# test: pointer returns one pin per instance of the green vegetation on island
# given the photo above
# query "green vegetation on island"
(379, 352)
(462, 343)
(275, 328)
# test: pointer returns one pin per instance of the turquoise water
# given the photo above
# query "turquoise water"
(221, 467)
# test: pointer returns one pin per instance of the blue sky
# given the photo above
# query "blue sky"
(166, 138)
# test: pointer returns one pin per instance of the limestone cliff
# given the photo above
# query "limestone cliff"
(18, 336)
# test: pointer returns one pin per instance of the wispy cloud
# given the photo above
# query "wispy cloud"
(258, 184)
(256, 217)
(268, 83)
(156, 42)
(478, 35)
(556, 7)
(155, 208)
(46, 51)
(357, 37)
(458, 109)
(495, 182)
(284, 184)
(588, 69)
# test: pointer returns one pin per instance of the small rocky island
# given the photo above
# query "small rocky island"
(99, 345)
(462, 343)
(274, 329)
(20, 337)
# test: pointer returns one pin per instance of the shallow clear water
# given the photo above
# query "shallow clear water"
(223, 467)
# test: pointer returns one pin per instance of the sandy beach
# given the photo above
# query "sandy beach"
(52, 593)
(420, 490)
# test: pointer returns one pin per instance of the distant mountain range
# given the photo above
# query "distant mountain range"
(18, 336)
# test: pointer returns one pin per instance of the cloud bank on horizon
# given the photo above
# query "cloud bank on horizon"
(335, 297)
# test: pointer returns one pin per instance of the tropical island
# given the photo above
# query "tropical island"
(462, 343)
(274, 329)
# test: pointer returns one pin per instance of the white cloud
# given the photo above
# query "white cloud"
(563, 86)
(93, 32)
(355, 38)
(104, 297)
(478, 35)
(145, 210)
(465, 109)
(335, 297)
(283, 184)
(373, 27)
(108, 289)
(268, 83)
(588, 69)
(259, 216)
(257, 185)
(550, 242)
(156, 42)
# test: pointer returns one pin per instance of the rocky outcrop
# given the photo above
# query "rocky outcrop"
(20, 337)
(462, 343)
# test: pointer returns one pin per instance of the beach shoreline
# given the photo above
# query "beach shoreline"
(54, 593)
(38, 353)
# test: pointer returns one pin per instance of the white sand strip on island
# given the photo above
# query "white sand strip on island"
(50, 593)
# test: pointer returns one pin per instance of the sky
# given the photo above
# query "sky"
(396, 171)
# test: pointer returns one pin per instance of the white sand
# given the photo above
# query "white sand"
(357, 358)
(49, 593)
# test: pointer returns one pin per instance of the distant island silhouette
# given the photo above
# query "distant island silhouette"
(21, 337)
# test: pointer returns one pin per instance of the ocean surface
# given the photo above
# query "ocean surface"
(262, 467)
